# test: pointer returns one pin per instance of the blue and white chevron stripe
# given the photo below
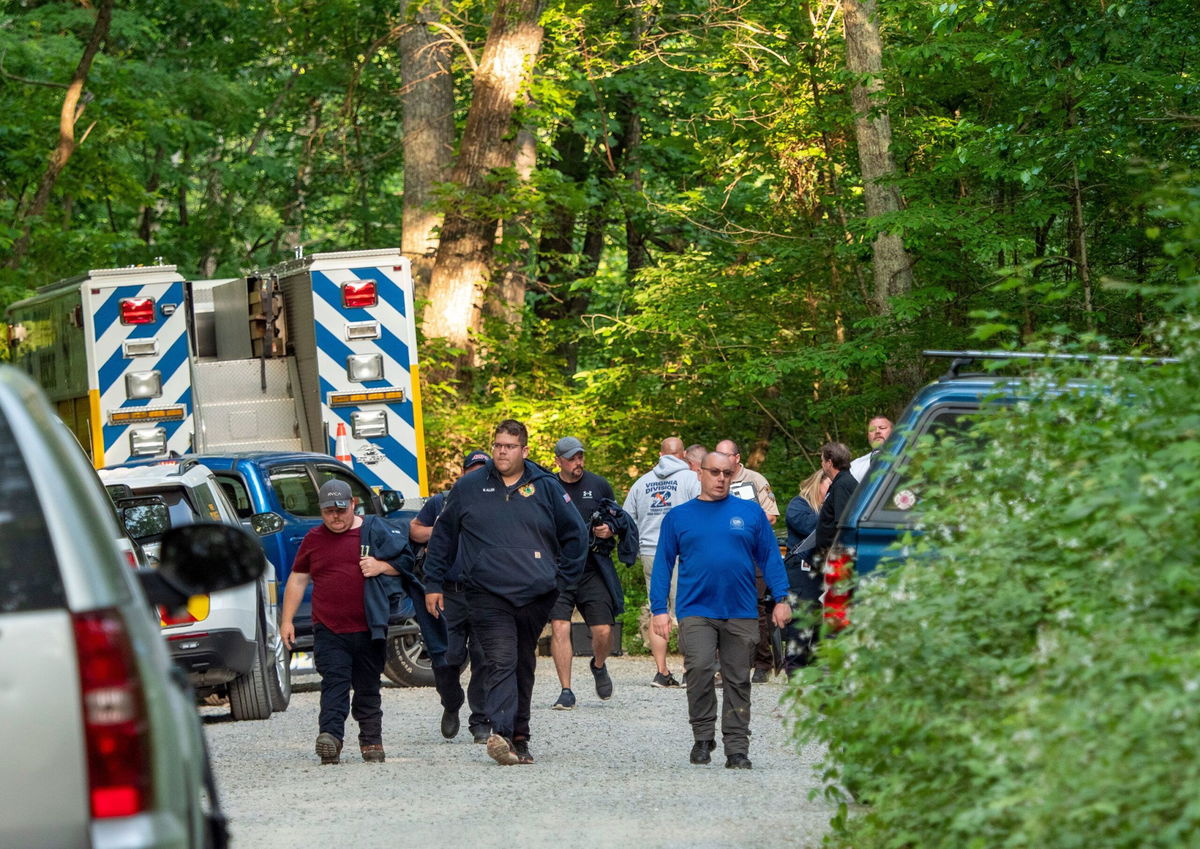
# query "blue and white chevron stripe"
(111, 365)
(391, 461)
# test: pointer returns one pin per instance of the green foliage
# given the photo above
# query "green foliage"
(1027, 675)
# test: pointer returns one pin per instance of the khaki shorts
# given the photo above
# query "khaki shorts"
(647, 561)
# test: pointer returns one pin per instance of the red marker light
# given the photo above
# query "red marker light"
(137, 311)
(359, 293)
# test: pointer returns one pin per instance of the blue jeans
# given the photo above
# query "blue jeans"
(508, 635)
(345, 662)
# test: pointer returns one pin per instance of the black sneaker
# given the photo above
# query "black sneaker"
(501, 750)
(664, 681)
(738, 762)
(566, 700)
(521, 747)
(702, 751)
(481, 733)
(604, 685)
(760, 676)
(329, 748)
(450, 724)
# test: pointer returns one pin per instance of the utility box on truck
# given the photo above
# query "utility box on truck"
(142, 363)
(110, 349)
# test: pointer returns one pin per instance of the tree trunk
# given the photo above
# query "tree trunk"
(72, 109)
(507, 300)
(873, 133)
(427, 97)
(146, 227)
(462, 267)
(637, 256)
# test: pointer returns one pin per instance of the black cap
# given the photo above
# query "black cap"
(335, 493)
(475, 458)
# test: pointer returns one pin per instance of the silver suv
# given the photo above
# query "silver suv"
(102, 746)
(228, 642)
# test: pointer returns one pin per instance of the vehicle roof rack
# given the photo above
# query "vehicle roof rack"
(961, 359)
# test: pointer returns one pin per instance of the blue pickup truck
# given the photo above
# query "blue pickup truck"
(284, 485)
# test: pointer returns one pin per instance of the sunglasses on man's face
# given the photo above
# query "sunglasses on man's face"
(719, 473)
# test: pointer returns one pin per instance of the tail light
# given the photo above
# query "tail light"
(839, 569)
(137, 311)
(195, 611)
(114, 716)
(359, 293)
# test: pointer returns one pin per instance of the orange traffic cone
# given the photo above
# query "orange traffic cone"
(341, 445)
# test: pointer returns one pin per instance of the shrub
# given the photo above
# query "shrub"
(1030, 675)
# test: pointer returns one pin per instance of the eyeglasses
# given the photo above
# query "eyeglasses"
(505, 446)
(719, 473)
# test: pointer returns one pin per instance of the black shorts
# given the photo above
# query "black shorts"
(592, 599)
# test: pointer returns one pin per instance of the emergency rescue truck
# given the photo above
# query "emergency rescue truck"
(315, 354)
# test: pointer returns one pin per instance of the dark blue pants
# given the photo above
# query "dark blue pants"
(461, 644)
(436, 638)
(345, 662)
(508, 634)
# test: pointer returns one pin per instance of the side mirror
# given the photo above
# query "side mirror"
(391, 501)
(146, 520)
(204, 558)
(265, 524)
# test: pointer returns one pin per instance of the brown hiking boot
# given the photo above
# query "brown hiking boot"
(329, 748)
(372, 753)
(501, 751)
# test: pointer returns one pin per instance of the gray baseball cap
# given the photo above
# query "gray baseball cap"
(568, 447)
(335, 493)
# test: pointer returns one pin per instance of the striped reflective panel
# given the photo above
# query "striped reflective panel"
(391, 461)
(172, 362)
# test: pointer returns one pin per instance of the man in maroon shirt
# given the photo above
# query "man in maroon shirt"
(335, 557)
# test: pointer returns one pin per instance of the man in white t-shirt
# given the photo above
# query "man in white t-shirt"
(879, 429)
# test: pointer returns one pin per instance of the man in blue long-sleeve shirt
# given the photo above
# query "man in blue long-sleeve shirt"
(717, 540)
(522, 543)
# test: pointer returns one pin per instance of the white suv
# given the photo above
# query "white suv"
(102, 747)
(228, 641)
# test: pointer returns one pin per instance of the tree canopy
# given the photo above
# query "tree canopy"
(693, 242)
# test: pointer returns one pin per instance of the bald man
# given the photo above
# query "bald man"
(749, 485)
(670, 483)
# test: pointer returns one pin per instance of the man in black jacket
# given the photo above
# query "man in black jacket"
(598, 595)
(835, 462)
(522, 543)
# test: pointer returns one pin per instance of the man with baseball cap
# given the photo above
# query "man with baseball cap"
(598, 595)
(458, 627)
(357, 564)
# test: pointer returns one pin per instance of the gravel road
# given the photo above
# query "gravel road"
(608, 774)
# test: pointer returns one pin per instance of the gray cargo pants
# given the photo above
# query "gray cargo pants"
(730, 643)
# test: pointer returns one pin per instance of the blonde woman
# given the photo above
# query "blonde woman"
(799, 638)
(803, 509)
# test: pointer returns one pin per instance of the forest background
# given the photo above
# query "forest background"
(628, 219)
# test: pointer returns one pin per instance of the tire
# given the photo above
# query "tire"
(408, 663)
(249, 694)
(279, 681)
